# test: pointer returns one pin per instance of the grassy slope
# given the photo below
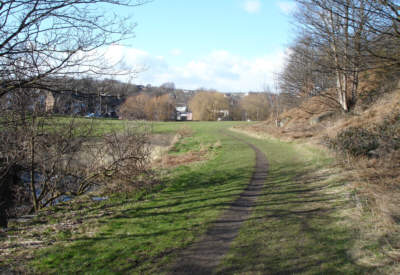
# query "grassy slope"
(140, 235)
(300, 223)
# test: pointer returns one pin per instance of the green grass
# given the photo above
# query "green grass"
(141, 235)
(99, 126)
(298, 225)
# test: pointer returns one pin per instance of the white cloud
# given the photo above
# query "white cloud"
(287, 7)
(138, 61)
(219, 69)
(176, 52)
(252, 6)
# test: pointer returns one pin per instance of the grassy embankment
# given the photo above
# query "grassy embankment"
(131, 234)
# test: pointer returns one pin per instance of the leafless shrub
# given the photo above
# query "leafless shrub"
(121, 156)
(60, 157)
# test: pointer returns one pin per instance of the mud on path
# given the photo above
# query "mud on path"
(204, 256)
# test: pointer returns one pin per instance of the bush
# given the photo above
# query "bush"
(355, 141)
(389, 135)
(381, 140)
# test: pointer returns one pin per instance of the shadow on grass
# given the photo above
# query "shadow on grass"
(141, 234)
(296, 228)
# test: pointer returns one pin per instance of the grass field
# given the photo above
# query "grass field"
(139, 235)
(299, 223)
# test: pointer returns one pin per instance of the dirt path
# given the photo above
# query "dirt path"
(205, 255)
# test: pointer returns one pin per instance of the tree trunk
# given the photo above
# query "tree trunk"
(32, 168)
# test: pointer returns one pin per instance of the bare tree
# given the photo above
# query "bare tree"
(207, 105)
(161, 108)
(256, 106)
(384, 31)
(302, 75)
(143, 106)
(44, 40)
(337, 29)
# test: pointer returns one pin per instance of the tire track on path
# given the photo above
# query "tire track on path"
(204, 256)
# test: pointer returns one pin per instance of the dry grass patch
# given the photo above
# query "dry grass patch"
(376, 192)
(183, 159)
(204, 153)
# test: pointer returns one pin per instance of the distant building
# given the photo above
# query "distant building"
(183, 114)
(223, 115)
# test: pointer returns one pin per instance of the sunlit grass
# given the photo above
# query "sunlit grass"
(298, 225)
(142, 234)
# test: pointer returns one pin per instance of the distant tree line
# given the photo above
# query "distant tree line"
(146, 107)
(205, 105)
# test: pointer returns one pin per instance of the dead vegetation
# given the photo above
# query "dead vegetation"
(367, 145)
(185, 158)
(172, 160)
(46, 160)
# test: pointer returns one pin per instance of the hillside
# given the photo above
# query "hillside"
(366, 145)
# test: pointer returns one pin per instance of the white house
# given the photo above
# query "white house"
(182, 114)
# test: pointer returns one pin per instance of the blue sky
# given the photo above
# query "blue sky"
(228, 45)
